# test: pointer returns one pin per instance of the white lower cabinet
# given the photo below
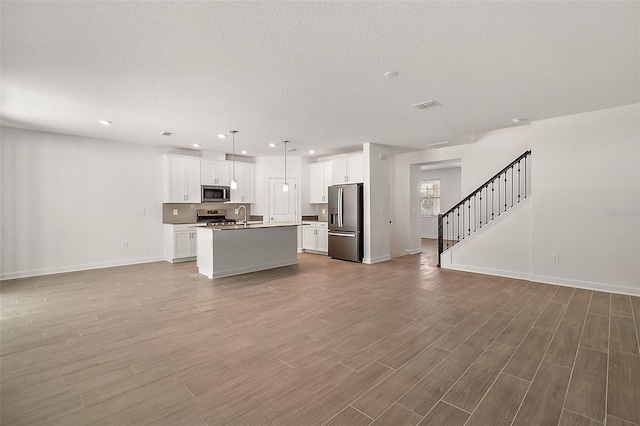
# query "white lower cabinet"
(180, 243)
(315, 237)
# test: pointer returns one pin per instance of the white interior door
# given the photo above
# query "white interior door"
(283, 205)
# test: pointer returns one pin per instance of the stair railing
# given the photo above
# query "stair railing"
(504, 190)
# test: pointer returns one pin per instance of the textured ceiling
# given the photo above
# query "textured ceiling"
(311, 72)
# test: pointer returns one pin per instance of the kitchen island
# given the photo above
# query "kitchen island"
(224, 251)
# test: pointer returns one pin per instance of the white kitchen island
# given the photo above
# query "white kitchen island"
(223, 251)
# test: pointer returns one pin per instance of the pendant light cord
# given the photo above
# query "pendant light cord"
(233, 148)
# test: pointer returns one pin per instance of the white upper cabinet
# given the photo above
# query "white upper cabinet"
(181, 179)
(348, 169)
(320, 178)
(246, 191)
(215, 173)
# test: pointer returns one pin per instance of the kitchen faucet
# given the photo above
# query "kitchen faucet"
(245, 213)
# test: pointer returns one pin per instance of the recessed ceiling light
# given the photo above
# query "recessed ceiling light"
(439, 143)
(519, 120)
(272, 145)
(311, 151)
(244, 152)
(166, 133)
(104, 122)
(428, 104)
(221, 136)
(196, 145)
(391, 74)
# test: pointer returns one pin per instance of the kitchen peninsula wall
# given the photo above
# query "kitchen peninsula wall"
(187, 213)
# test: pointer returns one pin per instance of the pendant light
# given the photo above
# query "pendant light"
(285, 186)
(234, 182)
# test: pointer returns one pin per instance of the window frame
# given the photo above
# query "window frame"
(437, 182)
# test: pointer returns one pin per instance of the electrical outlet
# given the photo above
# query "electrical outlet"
(140, 213)
(125, 245)
(237, 211)
(175, 212)
(555, 258)
(324, 211)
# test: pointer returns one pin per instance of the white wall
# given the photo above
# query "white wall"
(480, 161)
(585, 208)
(69, 203)
(377, 170)
(586, 166)
(273, 167)
(502, 247)
(450, 195)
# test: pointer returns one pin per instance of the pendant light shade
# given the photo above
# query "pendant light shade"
(285, 186)
(234, 182)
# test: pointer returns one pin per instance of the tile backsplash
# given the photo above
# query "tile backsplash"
(187, 213)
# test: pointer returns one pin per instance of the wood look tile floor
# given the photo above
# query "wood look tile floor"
(324, 342)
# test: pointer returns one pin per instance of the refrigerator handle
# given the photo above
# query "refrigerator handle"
(340, 206)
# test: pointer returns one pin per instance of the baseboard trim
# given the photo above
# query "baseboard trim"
(490, 271)
(77, 268)
(252, 268)
(377, 259)
(429, 236)
(587, 285)
(322, 253)
(413, 251)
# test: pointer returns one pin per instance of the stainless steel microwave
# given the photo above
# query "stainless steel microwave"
(215, 194)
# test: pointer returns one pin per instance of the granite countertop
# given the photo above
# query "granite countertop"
(249, 226)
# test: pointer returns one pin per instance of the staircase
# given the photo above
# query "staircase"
(493, 198)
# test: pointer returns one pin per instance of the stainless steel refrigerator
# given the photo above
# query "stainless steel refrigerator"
(345, 222)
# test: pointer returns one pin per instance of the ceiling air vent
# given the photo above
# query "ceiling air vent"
(428, 104)
(166, 133)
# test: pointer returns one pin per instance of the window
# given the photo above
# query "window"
(430, 197)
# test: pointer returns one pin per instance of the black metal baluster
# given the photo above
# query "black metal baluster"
(525, 176)
(511, 186)
(469, 217)
(463, 225)
(446, 231)
(481, 207)
(458, 210)
(519, 181)
(505, 190)
(493, 199)
(475, 213)
(486, 204)
(499, 204)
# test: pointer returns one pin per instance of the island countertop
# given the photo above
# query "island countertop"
(249, 226)
(253, 247)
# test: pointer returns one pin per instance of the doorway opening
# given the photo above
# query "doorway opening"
(440, 189)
